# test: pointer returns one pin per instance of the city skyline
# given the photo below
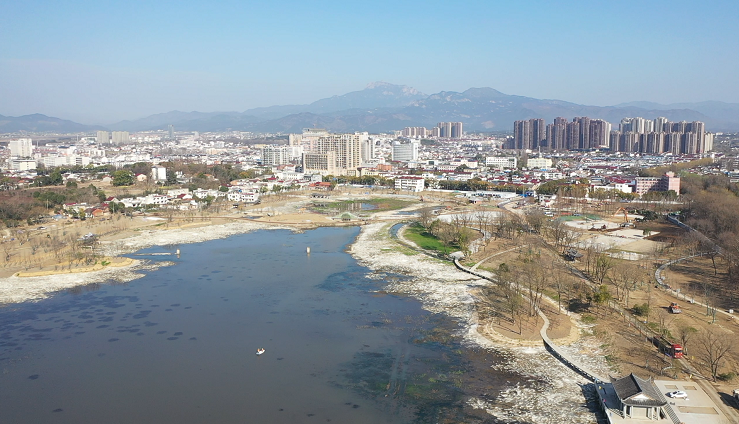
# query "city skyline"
(77, 62)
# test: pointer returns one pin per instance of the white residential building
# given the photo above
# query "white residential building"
(22, 164)
(409, 183)
(120, 138)
(405, 152)
(276, 155)
(501, 162)
(103, 137)
(243, 196)
(154, 199)
(159, 173)
(539, 163)
(177, 191)
(21, 148)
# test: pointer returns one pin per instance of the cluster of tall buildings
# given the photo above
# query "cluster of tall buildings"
(582, 133)
(441, 130)
(635, 135)
(639, 135)
(117, 138)
(322, 152)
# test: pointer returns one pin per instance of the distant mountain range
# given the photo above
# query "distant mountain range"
(382, 107)
(42, 123)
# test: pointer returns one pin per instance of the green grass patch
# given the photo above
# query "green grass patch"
(588, 319)
(423, 239)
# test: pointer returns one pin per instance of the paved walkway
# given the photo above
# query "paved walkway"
(555, 350)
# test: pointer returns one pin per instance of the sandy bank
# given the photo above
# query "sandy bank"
(64, 268)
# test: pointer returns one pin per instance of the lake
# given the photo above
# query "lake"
(178, 345)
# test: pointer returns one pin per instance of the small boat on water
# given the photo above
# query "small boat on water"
(260, 351)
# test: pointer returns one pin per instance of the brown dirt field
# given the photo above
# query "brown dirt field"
(668, 233)
(694, 275)
(632, 353)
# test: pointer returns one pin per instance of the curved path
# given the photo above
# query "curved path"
(474, 267)
(555, 350)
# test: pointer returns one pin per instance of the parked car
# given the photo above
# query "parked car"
(678, 394)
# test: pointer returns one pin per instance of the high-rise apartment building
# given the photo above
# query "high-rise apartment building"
(103, 137)
(338, 154)
(276, 155)
(457, 130)
(170, 129)
(415, 132)
(445, 129)
(450, 129)
(529, 134)
(120, 137)
(367, 152)
(21, 148)
(320, 163)
(635, 135)
(638, 135)
(405, 152)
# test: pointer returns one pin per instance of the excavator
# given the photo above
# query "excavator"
(626, 222)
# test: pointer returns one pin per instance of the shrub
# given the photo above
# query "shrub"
(588, 319)
(728, 376)
(641, 310)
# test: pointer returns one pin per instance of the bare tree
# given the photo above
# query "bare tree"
(426, 217)
(601, 268)
(685, 333)
(713, 347)
(624, 277)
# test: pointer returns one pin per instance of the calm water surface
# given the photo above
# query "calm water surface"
(178, 346)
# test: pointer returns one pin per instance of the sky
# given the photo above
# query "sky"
(99, 62)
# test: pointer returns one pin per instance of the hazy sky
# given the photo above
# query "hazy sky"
(103, 61)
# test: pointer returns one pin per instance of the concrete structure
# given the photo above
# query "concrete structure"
(408, 183)
(498, 162)
(450, 129)
(103, 137)
(120, 138)
(415, 132)
(276, 155)
(405, 152)
(21, 148)
(661, 136)
(21, 164)
(158, 173)
(320, 163)
(633, 400)
(538, 163)
(346, 150)
(665, 183)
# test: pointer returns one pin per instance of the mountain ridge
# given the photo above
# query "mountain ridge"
(382, 107)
